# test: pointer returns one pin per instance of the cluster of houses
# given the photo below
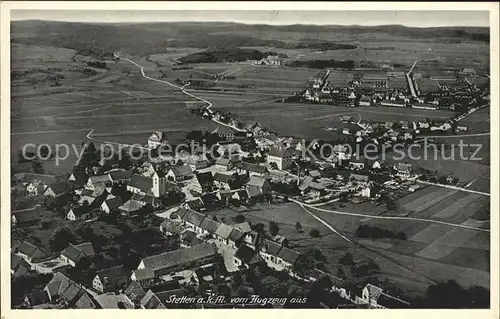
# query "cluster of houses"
(391, 89)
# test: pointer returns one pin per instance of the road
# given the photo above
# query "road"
(181, 88)
(431, 221)
(455, 187)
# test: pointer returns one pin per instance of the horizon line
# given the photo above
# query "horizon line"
(256, 23)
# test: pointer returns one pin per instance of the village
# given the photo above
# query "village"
(183, 192)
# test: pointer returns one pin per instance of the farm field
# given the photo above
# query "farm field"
(435, 251)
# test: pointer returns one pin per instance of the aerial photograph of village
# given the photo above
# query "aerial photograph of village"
(265, 159)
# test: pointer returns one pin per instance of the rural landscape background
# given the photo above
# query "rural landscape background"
(58, 97)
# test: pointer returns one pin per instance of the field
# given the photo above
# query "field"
(433, 251)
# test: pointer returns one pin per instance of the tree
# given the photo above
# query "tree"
(61, 239)
(347, 259)
(273, 228)
(314, 233)
(298, 227)
(239, 218)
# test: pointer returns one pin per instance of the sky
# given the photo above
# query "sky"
(282, 17)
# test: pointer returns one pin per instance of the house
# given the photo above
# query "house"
(78, 178)
(140, 184)
(202, 182)
(209, 226)
(87, 301)
(36, 298)
(394, 135)
(75, 253)
(357, 164)
(29, 252)
(269, 252)
(375, 297)
(246, 256)
(222, 233)
(195, 204)
(223, 181)
(111, 204)
(360, 178)
(157, 139)
(365, 101)
(130, 207)
(134, 293)
(55, 190)
(18, 266)
(192, 219)
(120, 177)
(403, 170)
(378, 164)
(287, 257)
(180, 173)
(281, 157)
(254, 169)
(235, 237)
(25, 217)
(224, 132)
(181, 259)
(79, 213)
(281, 240)
(63, 290)
(98, 180)
(189, 238)
(35, 184)
(171, 227)
(151, 301)
(144, 277)
(341, 152)
(309, 186)
(259, 183)
(224, 164)
(110, 279)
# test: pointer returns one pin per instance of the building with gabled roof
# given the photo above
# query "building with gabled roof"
(180, 173)
(201, 182)
(222, 233)
(55, 190)
(375, 297)
(134, 293)
(193, 219)
(254, 169)
(130, 207)
(29, 252)
(63, 289)
(209, 226)
(403, 170)
(246, 256)
(111, 204)
(79, 213)
(120, 176)
(280, 156)
(18, 266)
(110, 279)
(151, 301)
(74, 253)
(140, 184)
(181, 259)
(171, 227)
(287, 257)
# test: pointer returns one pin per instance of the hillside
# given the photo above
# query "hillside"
(150, 38)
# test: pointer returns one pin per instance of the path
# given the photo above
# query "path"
(432, 221)
(181, 88)
(455, 187)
